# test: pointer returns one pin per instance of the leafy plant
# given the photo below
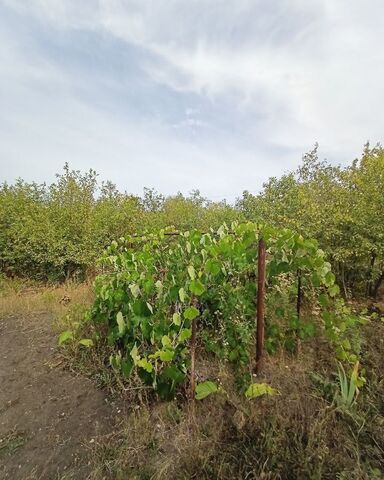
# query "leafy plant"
(65, 337)
(259, 389)
(158, 287)
(348, 387)
(341, 207)
(205, 389)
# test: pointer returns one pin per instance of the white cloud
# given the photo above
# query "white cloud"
(286, 73)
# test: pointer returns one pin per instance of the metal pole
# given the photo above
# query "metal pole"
(193, 359)
(260, 304)
(298, 311)
(298, 304)
(193, 354)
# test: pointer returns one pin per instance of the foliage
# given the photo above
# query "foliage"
(155, 286)
(259, 389)
(295, 435)
(348, 392)
(65, 336)
(341, 207)
(205, 389)
(58, 231)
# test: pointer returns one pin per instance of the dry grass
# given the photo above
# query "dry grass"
(26, 298)
(278, 438)
(298, 435)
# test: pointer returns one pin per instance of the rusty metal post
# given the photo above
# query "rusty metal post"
(260, 304)
(193, 359)
(298, 304)
(193, 352)
(298, 312)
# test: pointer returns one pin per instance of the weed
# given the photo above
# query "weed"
(11, 442)
(348, 391)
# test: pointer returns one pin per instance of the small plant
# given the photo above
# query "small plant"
(204, 389)
(347, 395)
(65, 337)
(11, 442)
(259, 389)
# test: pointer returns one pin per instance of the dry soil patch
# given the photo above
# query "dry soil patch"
(48, 417)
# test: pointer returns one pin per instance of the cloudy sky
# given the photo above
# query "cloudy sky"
(182, 94)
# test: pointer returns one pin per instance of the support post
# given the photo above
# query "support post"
(193, 359)
(193, 353)
(260, 304)
(298, 311)
(298, 304)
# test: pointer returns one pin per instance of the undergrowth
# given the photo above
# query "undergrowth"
(26, 297)
(301, 434)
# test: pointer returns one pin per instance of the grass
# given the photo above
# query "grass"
(11, 441)
(18, 297)
(296, 436)
(301, 434)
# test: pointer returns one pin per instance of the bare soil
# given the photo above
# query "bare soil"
(49, 418)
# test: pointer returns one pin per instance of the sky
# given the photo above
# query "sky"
(215, 95)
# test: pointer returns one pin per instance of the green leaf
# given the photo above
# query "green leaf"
(135, 289)
(323, 300)
(166, 355)
(176, 319)
(185, 334)
(120, 323)
(150, 307)
(196, 287)
(166, 341)
(213, 267)
(191, 313)
(135, 354)
(115, 360)
(329, 279)
(174, 374)
(65, 336)
(191, 272)
(87, 342)
(126, 367)
(182, 294)
(141, 308)
(258, 389)
(147, 366)
(204, 389)
(333, 290)
(346, 344)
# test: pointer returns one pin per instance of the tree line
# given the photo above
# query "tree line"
(58, 231)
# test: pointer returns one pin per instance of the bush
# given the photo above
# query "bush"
(155, 287)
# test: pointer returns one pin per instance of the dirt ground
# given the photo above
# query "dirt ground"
(48, 417)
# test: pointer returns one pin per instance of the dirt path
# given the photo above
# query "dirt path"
(47, 416)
